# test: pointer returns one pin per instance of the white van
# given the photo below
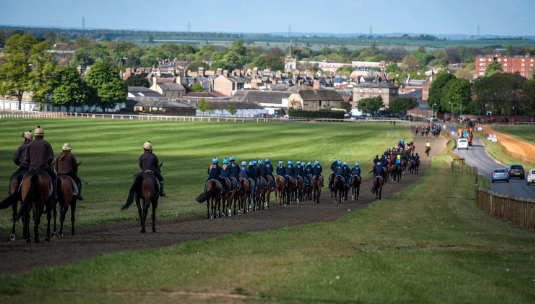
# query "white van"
(462, 143)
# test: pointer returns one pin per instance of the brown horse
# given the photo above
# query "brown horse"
(270, 189)
(12, 200)
(66, 198)
(355, 187)
(340, 188)
(234, 196)
(332, 175)
(246, 195)
(212, 196)
(377, 186)
(426, 132)
(144, 187)
(280, 194)
(412, 167)
(396, 172)
(299, 189)
(427, 150)
(226, 200)
(317, 184)
(37, 193)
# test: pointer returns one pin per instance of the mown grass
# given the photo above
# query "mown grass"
(429, 243)
(526, 133)
(483, 182)
(494, 150)
(109, 151)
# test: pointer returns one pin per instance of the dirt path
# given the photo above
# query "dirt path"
(17, 257)
(512, 144)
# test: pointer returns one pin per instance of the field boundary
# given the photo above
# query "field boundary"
(516, 210)
(510, 154)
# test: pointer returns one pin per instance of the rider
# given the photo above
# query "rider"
(376, 160)
(289, 170)
(384, 162)
(281, 170)
(339, 170)
(334, 164)
(269, 171)
(251, 171)
(355, 171)
(20, 158)
(347, 171)
(261, 172)
(378, 170)
(403, 142)
(309, 170)
(41, 156)
(417, 158)
(317, 171)
(299, 171)
(243, 170)
(412, 158)
(234, 170)
(66, 165)
(214, 171)
(226, 172)
(428, 145)
(149, 162)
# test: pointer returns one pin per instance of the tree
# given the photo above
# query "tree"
(346, 106)
(421, 49)
(238, 48)
(148, 60)
(2, 38)
(455, 59)
(50, 37)
(195, 65)
(151, 39)
(493, 68)
(82, 58)
(443, 62)
(26, 66)
(201, 106)
(106, 88)
(232, 109)
(275, 51)
(392, 68)
(103, 38)
(343, 51)
(456, 91)
(62, 39)
(400, 105)
(137, 80)
(464, 74)
(269, 62)
(71, 91)
(82, 42)
(197, 87)
(435, 91)
(410, 63)
(370, 105)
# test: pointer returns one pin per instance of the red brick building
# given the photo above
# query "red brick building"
(510, 64)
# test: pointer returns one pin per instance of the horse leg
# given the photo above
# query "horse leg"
(55, 214)
(62, 212)
(208, 208)
(358, 191)
(139, 212)
(27, 226)
(154, 206)
(36, 222)
(144, 208)
(14, 208)
(73, 212)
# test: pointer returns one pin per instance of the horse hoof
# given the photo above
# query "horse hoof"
(211, 217)
(153, 230)
(53, 234)
(61, 234)
(143, 231)
(47, 239)
(12, 237)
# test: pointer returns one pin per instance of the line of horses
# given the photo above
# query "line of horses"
(434, 132)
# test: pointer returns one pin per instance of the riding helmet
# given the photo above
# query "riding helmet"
(335, 160)
(147, 145)
(309, 164)
(215, 160)
(356, 164)
(39, 131)
(339, 162)
(280, 162)
(260, 162)
(67, 147)
(378, 164)
(290, 162)
(254, 162)
(250, 163)
(244, 163)
(317, 162)
(225, 160)
(28, 135)
(232, 158)
(267, 160)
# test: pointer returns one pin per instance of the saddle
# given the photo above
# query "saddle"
(51, 188)
(74, 185)
(343, 178)
(215, 180)
(290, 178)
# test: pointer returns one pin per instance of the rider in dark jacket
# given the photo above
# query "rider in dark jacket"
(334, 164)
(289, 170)
(251, 171)
(243, 170)
(226, 172)
(339, 170)
(376, 159)
(214, 171)
(281, 170)
(21, 157)
(355, 171)
(261, 172)
(378, 170)
(316, 170)
(269, 171)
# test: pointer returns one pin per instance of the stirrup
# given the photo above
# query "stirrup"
(80, 198)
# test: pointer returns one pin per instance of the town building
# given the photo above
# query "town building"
(314, 100)
(272, 101)
(368, 87)
(510, 64)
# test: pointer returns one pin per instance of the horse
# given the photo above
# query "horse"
(427, 133)
(270, 189)
(308, 188)
(416, 132)
(299, 188)
(339, 187)
(245, 196)
(291, 191)
(280, 190)
(427, 150)
(433, 132)
(212, 196)
(12, 200)
(396, 171)
(355, 187)
(404, 165)
(66, 198)
(377, 187)
(37, 193)
(332, 175)
(262, 190)
(144, 187)
(228, 196)
(317, 184)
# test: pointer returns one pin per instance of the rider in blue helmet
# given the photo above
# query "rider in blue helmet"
(243, 170)
(281, 170)
(226, 173)
(251, 171)
(339, 171)
(235, 171)
(269, 172)
(334, 164)
(214, 171)
(289, 170)
(261, 173)
(355, 171)
(298, 171)
(317, 172)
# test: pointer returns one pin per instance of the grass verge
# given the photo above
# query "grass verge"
(496, 152)
(109, 151)
(483, 182)
(429, 243)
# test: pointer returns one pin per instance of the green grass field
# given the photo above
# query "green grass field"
(109, 150)
(526, 134)
(419, 246)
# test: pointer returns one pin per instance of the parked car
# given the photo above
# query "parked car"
(409, 117)
(462, 143)
(517, 171)
(531, 177)
(431, 117)
(500, 175)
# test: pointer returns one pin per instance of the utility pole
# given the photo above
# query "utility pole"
(83, 23)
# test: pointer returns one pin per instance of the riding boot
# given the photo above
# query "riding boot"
(161, 189)
(80, 198)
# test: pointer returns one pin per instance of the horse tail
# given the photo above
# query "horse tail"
(242, 183)
(136, 184)
(33, 185)
(206, 195)
(374, 187)
(10, 200)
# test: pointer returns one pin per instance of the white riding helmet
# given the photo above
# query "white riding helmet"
(147, 145)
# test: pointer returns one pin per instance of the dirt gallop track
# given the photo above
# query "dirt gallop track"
(17, 257)
(512, 144)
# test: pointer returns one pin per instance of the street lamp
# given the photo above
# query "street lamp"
(433, 109)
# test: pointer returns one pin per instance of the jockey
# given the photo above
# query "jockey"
(403, 142)
(309, 170)
(269, 171)
(214, 171)
(438, 127)
(384, 162)
(376, 160)
(334, 164)
(355, 171)
(290, 171)
(251, 171)
(66, 165)
(226, 172)
(398, 157)
(20, 158)
(339, 170)
(412, 158)
(299, 171)
(378, 170)
(149, 162)
(347, 171)
(417, 158)
(234, 170)
(281, 170)
(399, 143)
(317, 171)
(243, 170)
(428, 145)
(41, 156)
(254, 165)
(261, 172)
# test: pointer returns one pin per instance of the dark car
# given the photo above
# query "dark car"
(517, 171)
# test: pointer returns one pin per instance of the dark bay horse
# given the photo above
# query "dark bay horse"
(355, 187)
(280, 194)
(340, 189)
(332, 175)
(377, 187)
(212, 196)
(299, 189)
(12, 200)
(270, 189)
(66, 198)
(245, 196)
(396, 172)
(144, 187)
(427, 150)
(413, 168)
(317, 184)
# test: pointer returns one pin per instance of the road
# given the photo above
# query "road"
(477, 156)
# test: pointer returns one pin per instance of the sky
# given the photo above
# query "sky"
(494, 17)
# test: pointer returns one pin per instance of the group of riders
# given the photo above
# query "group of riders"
(435, 130)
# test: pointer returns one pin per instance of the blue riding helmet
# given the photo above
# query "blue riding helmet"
(378, 164)
(280, 162)
(232, 158)
(215, 160)
(339, 162)
(298, 162)
(250, 163)
(356, 164)
(260, 162)
(335, 160)
(254, 162)
(317, 162)
(225, 160)
(344, 163)
(267, 160)
(244, 163)
(290, 162)
(309, 164)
